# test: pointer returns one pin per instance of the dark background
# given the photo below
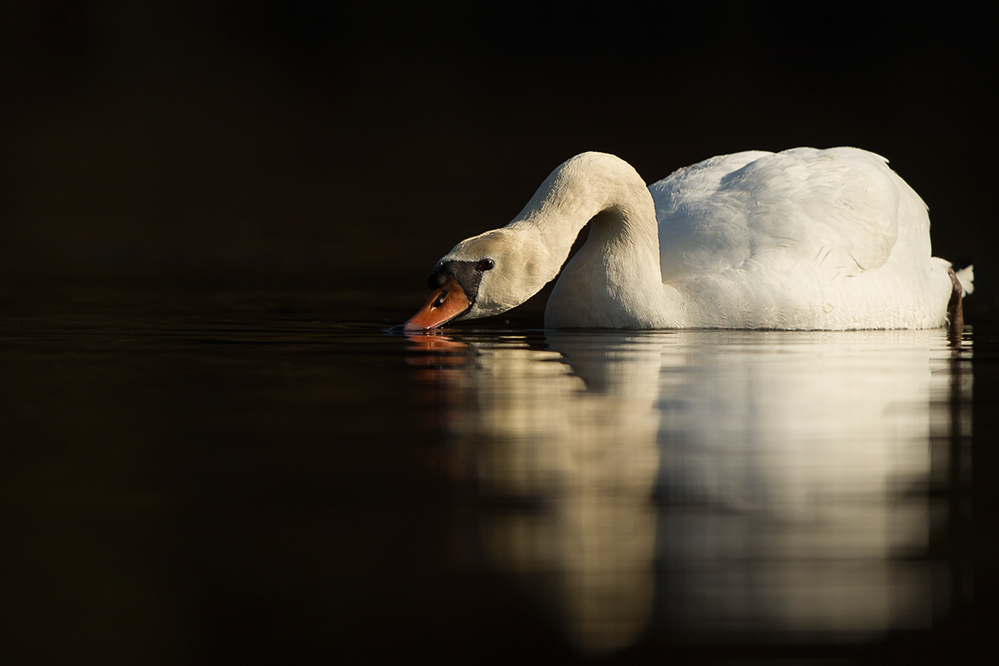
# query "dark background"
(344, 148)
(357, 142)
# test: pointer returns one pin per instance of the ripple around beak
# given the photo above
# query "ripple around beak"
(444, 305)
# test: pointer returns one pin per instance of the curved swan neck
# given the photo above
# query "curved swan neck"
(616, 272)
(579, 190)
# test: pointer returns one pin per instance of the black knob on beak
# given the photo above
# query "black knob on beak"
(437, 279)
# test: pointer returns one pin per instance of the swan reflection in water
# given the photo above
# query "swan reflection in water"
(710, 483)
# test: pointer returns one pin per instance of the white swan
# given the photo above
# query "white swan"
(802, 239)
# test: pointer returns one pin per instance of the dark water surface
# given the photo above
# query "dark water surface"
(204, 475)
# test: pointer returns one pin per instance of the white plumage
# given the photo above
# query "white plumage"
(802, 239)
(806, 238)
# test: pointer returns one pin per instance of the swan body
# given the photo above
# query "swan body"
(802, 239)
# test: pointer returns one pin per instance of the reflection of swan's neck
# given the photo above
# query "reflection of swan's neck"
(591, 455)
(616, 273)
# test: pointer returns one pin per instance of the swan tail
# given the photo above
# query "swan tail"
(966, 276)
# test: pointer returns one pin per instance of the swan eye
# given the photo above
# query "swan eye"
(485, 265)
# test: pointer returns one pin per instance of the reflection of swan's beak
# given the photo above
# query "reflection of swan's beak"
(443, 350)
(433, 341)
(445, 304)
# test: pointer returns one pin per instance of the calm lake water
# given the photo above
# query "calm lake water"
(207, 474)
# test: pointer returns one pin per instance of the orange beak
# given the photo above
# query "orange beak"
(445, 304)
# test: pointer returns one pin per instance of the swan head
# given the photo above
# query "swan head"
(481, 276)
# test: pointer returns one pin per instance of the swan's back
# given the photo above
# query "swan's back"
(804, 238)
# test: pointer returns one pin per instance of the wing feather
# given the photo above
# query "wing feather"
(836, 210)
